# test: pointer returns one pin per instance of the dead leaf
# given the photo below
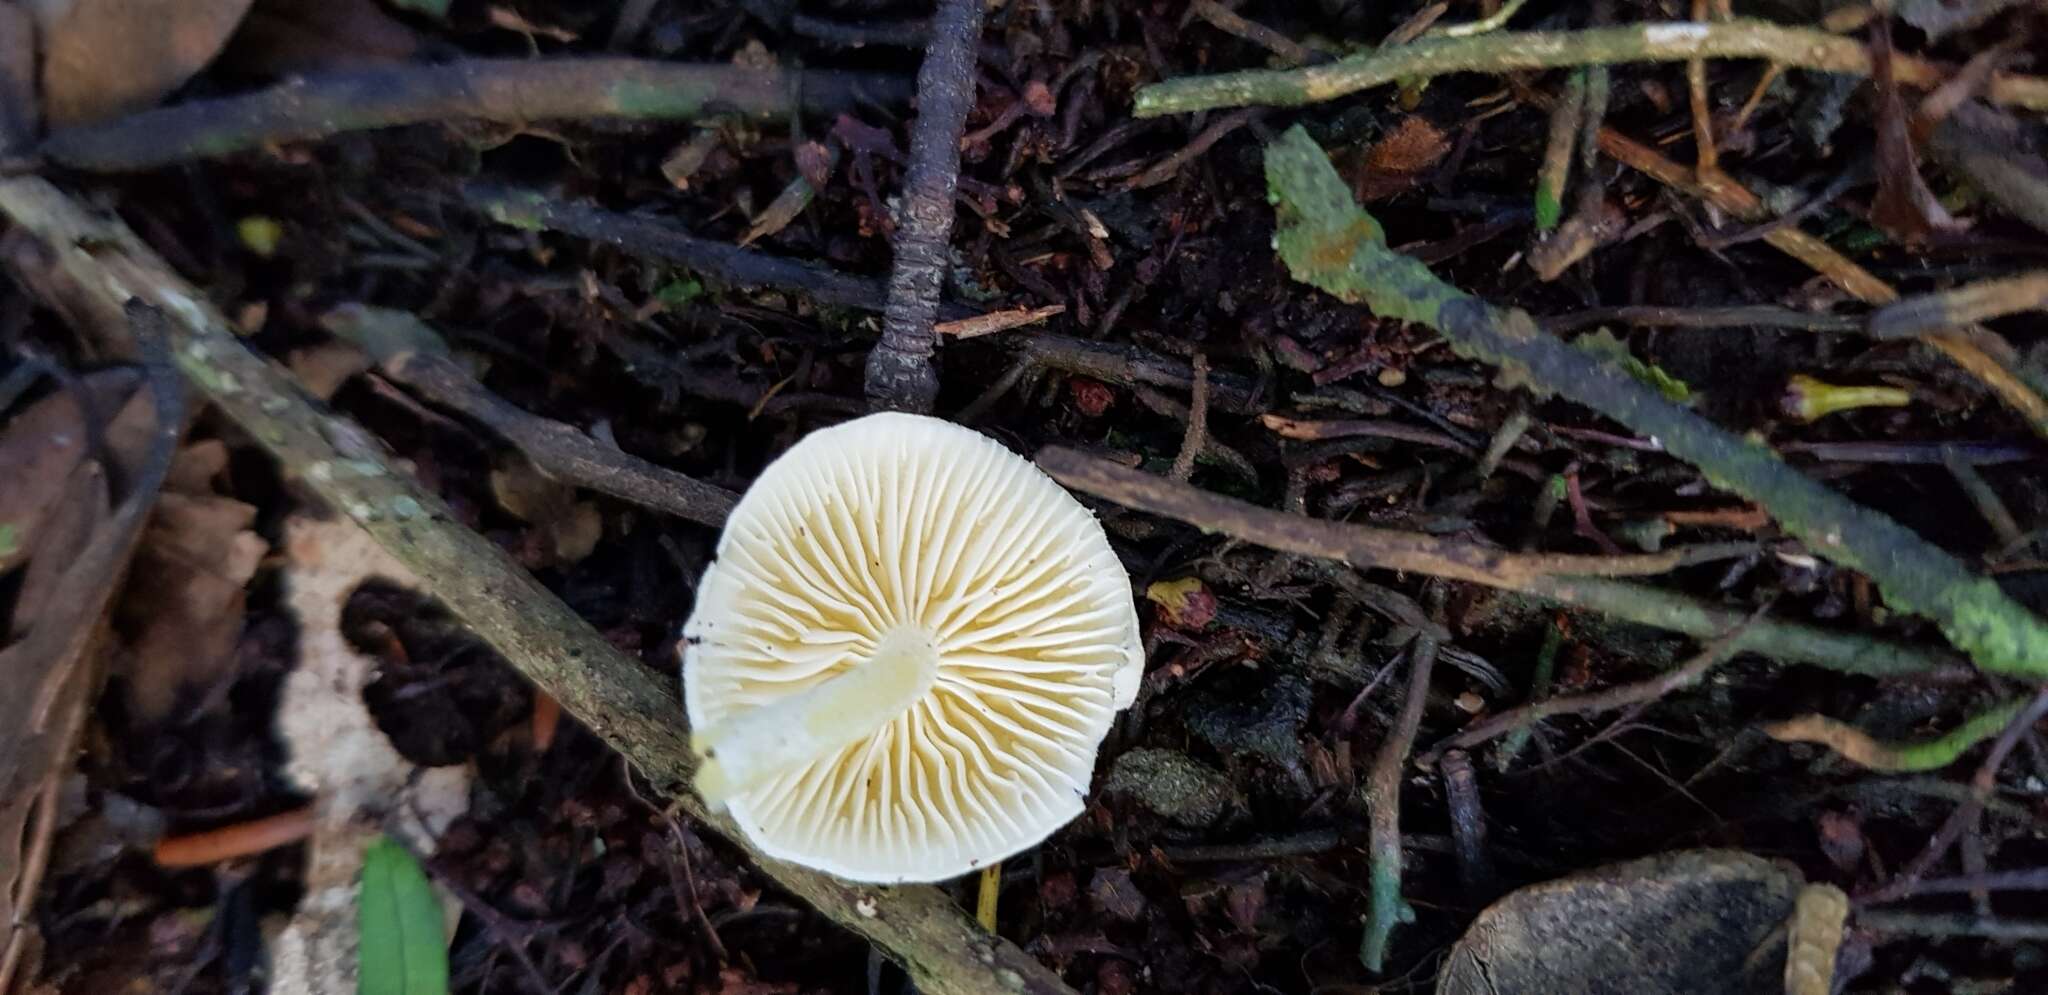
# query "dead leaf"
(1685, 922)
(322, 369)
(183, 608)
(52, 664)
(102, 58)
(565, 529)
(38, 449)
(361, 786)
(1904, 206)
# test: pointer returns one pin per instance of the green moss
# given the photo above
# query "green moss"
(633, 98)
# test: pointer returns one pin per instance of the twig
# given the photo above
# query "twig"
(1359, 545)
(1742, 316)
(1303, 844)
(2031, 879)
(1544, 576)
(1131, 364)
(1540, 677)
(1169, 167)
(1931, 314)
(1620, 696)
(1982, 785)
(1383, 804)
(998, 321)
(1895, 758)
(1506, 51)
(1959, 924)
(656, 239)
(1986, 500)
(1492, 22)
(1196, 438)
(243, 839)
(411, 353)
(615, 696)
(1916, 453)
(899, 371)
(1961, 345)
(1468, 825)
(1330, 243)
(511, 91)
(1228, 21)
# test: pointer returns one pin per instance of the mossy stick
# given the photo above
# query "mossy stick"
(509, 91)
(1507, 51)
(1330, 243)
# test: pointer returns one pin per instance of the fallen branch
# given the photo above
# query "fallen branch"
(899, 370)
(1508, 51)
(1383, 805)
(508, 91)
(409, 352)
(1548, 577)
(1328, 242)
(618, 698)
(655, 239)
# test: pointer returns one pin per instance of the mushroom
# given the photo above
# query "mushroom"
(906, 652)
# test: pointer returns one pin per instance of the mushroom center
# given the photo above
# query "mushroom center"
(746, 751)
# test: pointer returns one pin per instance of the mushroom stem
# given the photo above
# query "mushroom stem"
(748, 750)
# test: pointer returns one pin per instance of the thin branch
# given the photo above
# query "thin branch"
(407, 351)
(615, 696)
(1549, 577)
(656, 239)
(1508, 51)
(1383, 804)
(1621, 696)
(899, 370)
(1740, 316)
(509, 91)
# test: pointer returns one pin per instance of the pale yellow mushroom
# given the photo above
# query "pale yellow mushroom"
(906, 653)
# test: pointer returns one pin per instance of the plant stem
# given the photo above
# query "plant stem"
(1383, 801)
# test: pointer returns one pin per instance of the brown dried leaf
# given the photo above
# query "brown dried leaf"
(50, 667)
(183, 608)
(103, 58)
(1905, 206)
(38, 449)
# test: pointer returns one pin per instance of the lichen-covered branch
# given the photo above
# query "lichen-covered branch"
(1329, 242)
(621, 700)
(899, 370)
(510, 91)
(1507, 51)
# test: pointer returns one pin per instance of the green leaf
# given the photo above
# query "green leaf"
(403, 949)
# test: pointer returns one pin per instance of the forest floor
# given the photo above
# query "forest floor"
(569, 237)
